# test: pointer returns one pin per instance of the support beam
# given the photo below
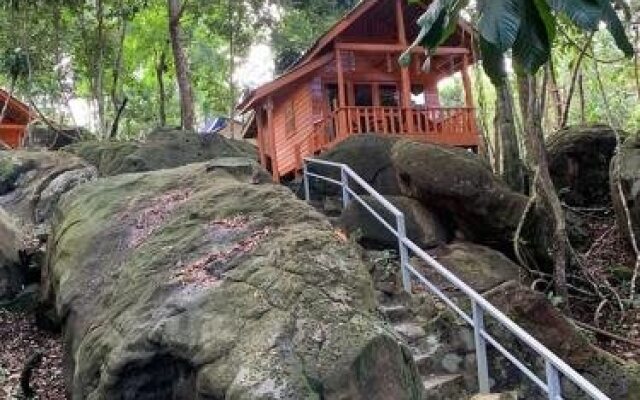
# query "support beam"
(466, 81)
(397, 48)
(272, 140)
(261, 141)
(405, 77)
(342, 96)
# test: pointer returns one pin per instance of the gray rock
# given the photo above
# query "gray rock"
(422, 226)
(187, 283)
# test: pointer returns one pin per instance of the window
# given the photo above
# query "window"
(290, 119)
(389, 96)
(363, 95)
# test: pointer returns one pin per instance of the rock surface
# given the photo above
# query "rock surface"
(459, 186)
(628, 179)
(579, 159)
(533, 312)
(422, 226)
(188, 283)
(32, 182)
(369, 156)
(11, 242)
(163, 148)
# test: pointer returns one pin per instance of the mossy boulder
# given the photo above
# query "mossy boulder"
(579, 159)
(200, 282)
(460, 187)
(32, 182)
(478, 266)
(627, 179)
(422, 226)
(11, 242)
(163, 148)
(369, 155)
(536, 315)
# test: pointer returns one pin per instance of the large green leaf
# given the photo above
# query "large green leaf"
(437, 24)
(614, 25)
(492, 62)
(586, 14)
(532, 47)
(500, 21)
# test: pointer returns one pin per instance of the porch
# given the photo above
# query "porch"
(443, 125)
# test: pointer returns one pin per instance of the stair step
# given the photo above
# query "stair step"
(444, 387)
(410, 331)
(394, 313)
(496, 396)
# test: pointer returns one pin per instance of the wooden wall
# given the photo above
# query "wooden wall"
(287, 144)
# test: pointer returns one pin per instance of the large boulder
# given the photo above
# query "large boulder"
(478, 266)
(456, 183)
(625, 175)
(422, 226)
(198, 282)
(535, 313)
(163, 148)
(369, 156)
(32, 182)
(579, 159)
(11, 242)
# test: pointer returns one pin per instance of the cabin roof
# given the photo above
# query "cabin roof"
(317, 55)
(17, 111)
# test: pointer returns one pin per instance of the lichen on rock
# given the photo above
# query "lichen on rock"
(286, 308)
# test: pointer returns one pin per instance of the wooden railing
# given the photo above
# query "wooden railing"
(453, 126)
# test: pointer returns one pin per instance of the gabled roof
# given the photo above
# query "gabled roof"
(313, 59)
(16, 109)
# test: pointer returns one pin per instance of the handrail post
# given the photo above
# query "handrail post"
(404, 253)
(481, 349)
(305, 181)
(553, 381)
(344, 177)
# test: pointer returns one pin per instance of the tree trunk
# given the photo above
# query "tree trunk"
(98, 93)
(232, 55)
(161, 68)
(508, 159)
(555, 91)
(583, 117)
(176, 8)
(636, 61)
(531, 104)
(574, 77)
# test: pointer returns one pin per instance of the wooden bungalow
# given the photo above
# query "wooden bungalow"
(349, 82)
(14, 124)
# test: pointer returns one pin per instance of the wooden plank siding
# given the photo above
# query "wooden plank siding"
(286, 142)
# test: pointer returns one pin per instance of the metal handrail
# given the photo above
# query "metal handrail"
(554, 366)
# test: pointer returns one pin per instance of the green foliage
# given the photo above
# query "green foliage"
(526, 27)
(303, 21)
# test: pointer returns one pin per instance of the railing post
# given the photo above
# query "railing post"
(305, 181)
(404, 253)
(481, 349)
(344, 177)
(553, 381)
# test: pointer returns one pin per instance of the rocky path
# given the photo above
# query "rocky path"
(20, 338)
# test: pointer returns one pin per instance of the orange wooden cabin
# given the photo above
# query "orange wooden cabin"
(14, 124)
(349, 82)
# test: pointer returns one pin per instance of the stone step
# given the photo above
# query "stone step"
(410, 331)
(394, 313)
(444, 387)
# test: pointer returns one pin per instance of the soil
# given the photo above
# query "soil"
(20, 338)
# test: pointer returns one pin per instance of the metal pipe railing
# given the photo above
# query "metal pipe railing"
(554, 366)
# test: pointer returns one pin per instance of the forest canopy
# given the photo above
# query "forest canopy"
(90, 55)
